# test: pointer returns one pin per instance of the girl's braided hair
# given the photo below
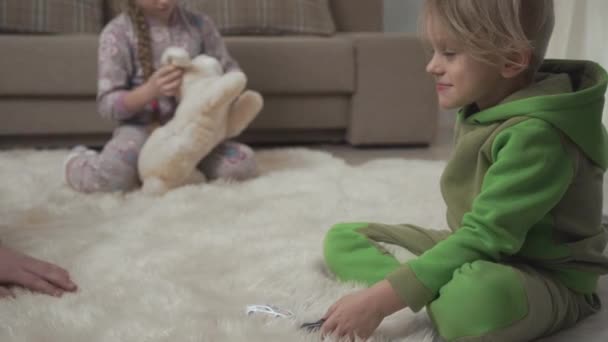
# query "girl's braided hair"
(142, 31)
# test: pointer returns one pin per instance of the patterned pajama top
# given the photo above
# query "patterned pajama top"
(120, 71)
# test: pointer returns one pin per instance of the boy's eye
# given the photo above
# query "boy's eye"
(448, 54)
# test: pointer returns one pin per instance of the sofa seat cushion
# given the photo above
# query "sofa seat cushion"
(296, 65)
(48, 65)
(66, 65)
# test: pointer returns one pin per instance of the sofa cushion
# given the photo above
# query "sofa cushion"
(275, 65)
(48, 65)
(51, 16)
(268, 17)
(296, 65)
(358, 15)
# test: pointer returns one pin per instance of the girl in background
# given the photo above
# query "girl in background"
(137, 92)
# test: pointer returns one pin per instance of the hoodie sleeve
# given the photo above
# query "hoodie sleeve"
(530, 172)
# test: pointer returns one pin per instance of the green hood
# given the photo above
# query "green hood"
(574, 104)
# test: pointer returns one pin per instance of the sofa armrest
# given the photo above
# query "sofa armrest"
(395, 100)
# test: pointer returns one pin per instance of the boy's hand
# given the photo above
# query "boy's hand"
(360, 313)
(39, 276)
(165, 81)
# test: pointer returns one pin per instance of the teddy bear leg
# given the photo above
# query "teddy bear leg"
(216, 95)
(154, 186)
(243, 111)
(196, 177)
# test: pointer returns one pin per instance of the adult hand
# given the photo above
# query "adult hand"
(33, 274)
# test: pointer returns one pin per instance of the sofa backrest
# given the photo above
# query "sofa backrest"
(358, 15)
(349, 15)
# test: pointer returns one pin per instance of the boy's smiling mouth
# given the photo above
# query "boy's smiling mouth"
(443, 86)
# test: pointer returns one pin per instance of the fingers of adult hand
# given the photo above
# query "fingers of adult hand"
(36, 283)
(5, 292)
(56, 275)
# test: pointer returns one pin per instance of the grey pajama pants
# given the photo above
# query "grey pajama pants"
(115, 167)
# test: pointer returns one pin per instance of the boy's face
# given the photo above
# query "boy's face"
(160, 9)
(461, 79)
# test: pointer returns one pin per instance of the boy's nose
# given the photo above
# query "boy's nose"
(434, 67)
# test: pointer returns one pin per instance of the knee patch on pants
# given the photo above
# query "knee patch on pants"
(482, 297)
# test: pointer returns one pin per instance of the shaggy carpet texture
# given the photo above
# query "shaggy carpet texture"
(183, 267)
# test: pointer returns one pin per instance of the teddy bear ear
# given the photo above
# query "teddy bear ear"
(176, 56)
(166, 59)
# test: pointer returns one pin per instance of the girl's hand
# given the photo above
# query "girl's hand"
(165, 81)
(360, 313)
(35, 275)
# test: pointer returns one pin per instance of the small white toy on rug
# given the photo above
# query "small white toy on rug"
(212, 107)
(276, 312)
(266, 309)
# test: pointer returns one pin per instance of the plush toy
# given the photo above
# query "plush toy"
(212, 107)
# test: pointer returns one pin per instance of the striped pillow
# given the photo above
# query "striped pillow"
(268, 17)
(51, 16)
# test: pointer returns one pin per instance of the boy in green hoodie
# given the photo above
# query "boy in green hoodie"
(523, 189)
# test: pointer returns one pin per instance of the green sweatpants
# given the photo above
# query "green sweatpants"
(484, 301)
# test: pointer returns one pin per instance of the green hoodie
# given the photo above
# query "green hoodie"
(524, 185)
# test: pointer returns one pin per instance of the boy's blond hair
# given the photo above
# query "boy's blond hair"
(494, 28)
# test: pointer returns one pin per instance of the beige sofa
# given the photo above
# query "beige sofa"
(362, 86)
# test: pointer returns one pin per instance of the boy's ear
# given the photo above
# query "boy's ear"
(516, 64)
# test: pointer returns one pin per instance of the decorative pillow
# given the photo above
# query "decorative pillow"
(268, 17)
(51, 16)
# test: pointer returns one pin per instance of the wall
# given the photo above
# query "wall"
(401, 15)
(580, 27)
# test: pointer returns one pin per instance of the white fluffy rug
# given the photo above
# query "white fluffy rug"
(183, 267)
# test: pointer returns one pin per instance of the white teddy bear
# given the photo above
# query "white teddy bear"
(212, 108)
